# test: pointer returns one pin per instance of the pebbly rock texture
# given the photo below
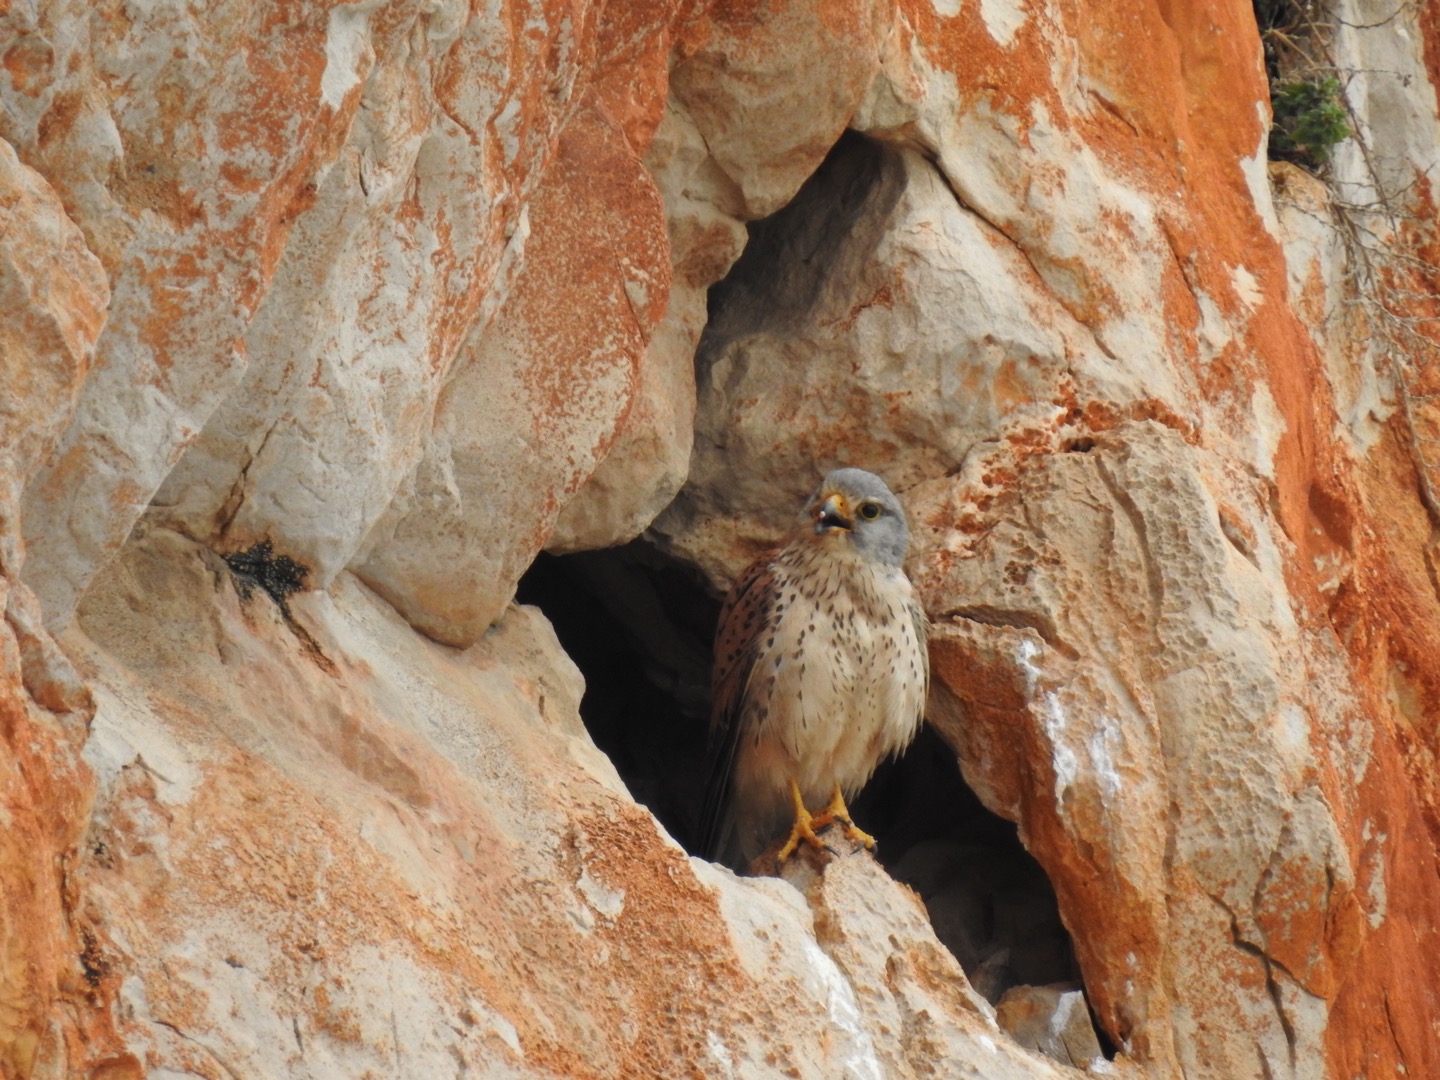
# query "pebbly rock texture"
(380, 300)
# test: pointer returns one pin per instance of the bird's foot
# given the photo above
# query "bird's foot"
(837, 812)
(803, 829)
(807, 825)
(858, 835)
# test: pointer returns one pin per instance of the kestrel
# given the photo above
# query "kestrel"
(820, 672)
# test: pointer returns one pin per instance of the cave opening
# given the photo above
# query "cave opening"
(639, 625)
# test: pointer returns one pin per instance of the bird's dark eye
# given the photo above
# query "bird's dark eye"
(869, 511)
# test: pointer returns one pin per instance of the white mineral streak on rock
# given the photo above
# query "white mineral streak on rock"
(1214, 334)
(1255, 169)
(1376, 891)
(1052, 715)
(1269, 428)
(605, 900)
(1104, 743)
(720, 1055)
(856, 1058)
(1247, 289)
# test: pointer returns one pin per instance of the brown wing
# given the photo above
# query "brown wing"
(922, 635)
(745, 613)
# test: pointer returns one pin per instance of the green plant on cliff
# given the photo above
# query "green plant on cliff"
(1307, 95)
(1386, 226)
(1309, 120)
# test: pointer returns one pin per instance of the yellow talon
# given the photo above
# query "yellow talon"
(837, 811)
(806, 825)
(803, 829)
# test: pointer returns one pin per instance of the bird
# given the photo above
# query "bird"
(820, 673)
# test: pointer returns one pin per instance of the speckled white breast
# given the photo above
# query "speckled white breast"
(838, 685)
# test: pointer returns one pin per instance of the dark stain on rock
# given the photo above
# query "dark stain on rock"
(279, 577)
(259, 566)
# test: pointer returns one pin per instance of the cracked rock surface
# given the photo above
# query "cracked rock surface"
(370, 304)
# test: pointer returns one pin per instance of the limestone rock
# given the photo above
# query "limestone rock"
(1162, 578)
(474, 169)
(368, 857)
(537, 398)
(931, 317)
(53, 294)
(184, 150)
(767, 110)
(1172, 347)
(647, 462)
(1052, 1020)
(411, 290)
(650, 457)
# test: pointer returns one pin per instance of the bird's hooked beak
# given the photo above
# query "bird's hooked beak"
(833, 516)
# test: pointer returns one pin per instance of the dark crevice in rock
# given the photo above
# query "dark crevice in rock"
(639, 625)
(202, 1047)
(1272, 986)
(989, 901)
(235, 499)
(1273, 969)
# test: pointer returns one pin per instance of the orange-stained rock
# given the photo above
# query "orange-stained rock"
(1156, 752)
(537, 397)
(45, 792)
(184, 146)
(53, 295)
(771, 84)
(1229, 898)
(375, 849)
(404, 251)
(411, 290)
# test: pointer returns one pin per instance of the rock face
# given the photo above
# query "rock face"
(54, 294)
(393, 296)
(1051, 1019)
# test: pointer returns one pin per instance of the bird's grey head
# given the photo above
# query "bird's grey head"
(855, 504)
